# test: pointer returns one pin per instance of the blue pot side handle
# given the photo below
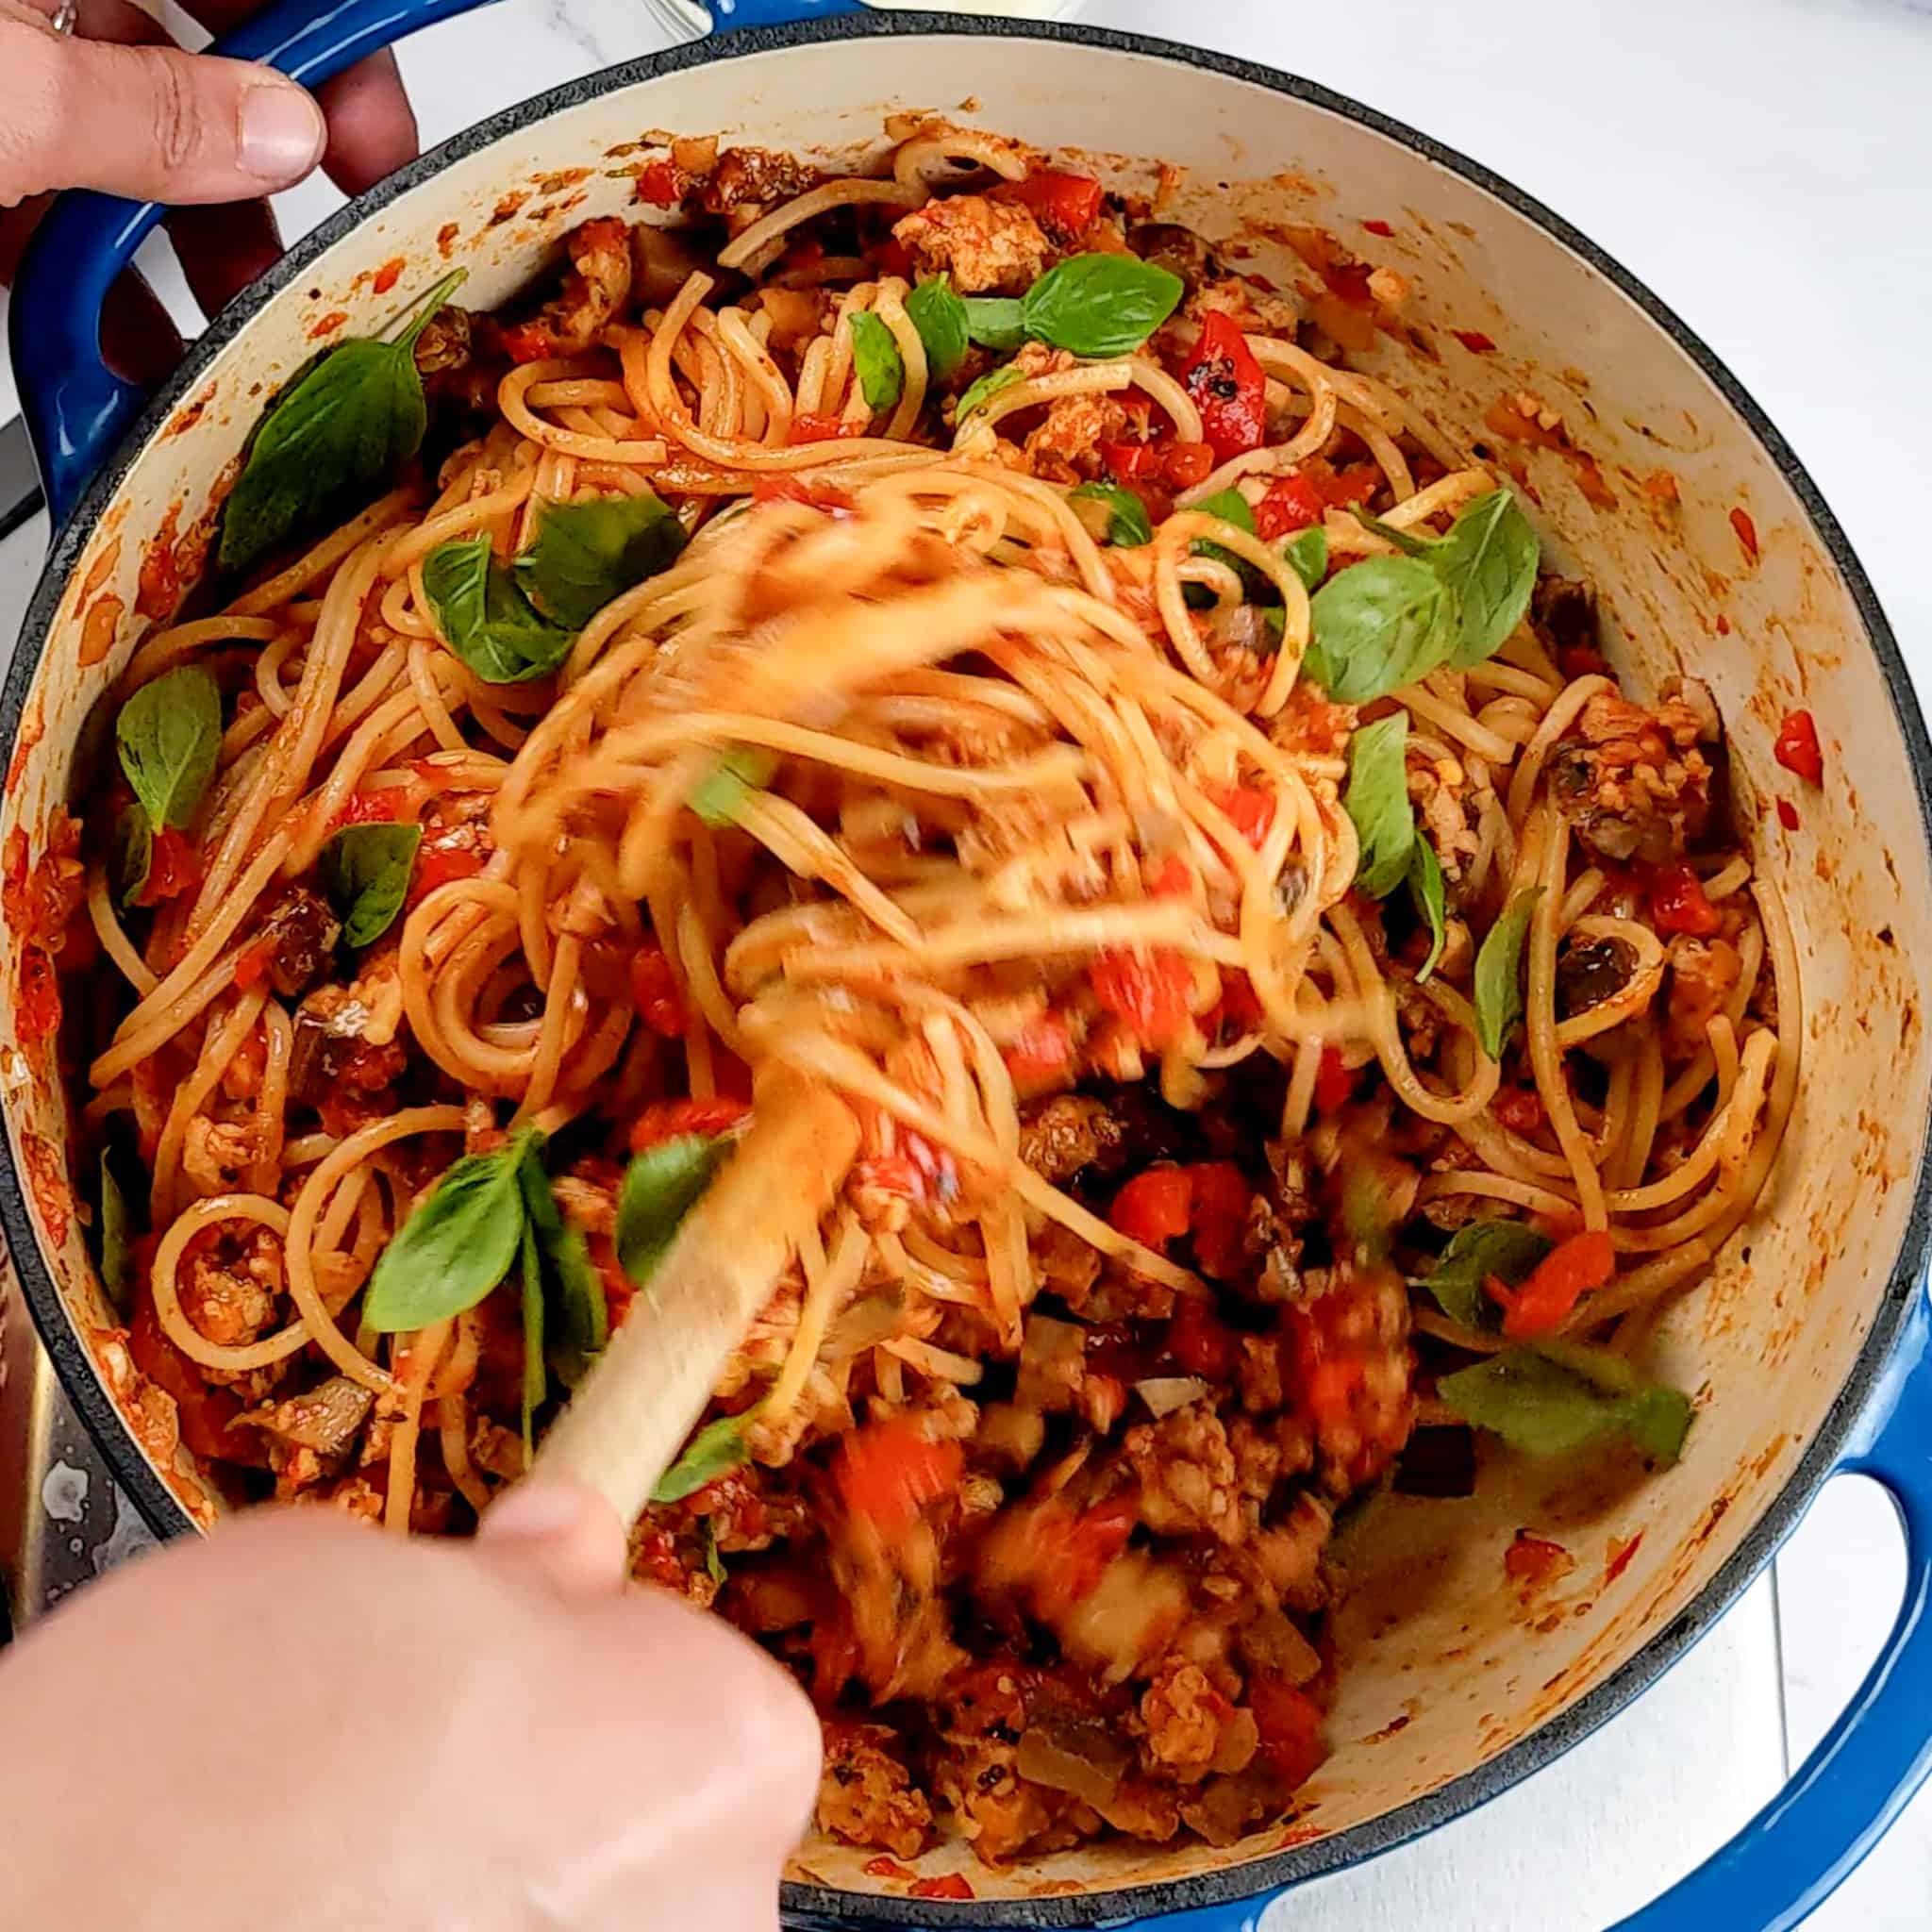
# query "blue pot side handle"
(77, 407)
(1794, 1854)
(727, 15)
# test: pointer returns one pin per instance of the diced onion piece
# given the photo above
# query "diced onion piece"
(1069, 1755)
(1164, 1395)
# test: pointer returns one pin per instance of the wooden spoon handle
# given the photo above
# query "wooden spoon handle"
(628, 1420)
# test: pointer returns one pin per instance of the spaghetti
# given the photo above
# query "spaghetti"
(976, 744)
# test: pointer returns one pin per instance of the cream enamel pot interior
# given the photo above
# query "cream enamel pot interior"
(1712, 553)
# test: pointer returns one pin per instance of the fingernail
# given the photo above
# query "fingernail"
(282, 133)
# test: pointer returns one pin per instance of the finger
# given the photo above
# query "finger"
(152, 122)
(562, 1532)
(371, 127)
(139, 339)
(222, 249)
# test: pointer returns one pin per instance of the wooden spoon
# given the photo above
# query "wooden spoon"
(631, 1415)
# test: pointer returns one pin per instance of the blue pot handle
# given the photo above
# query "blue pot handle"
(1791, 1858)
(77, 407)
(726, 14)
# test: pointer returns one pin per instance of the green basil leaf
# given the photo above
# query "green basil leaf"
(1508, 1248)
(714, 1561)
(988, 386)
(1409, 545)
(1431, 900)
(1377, 801)
(1128, 526)
(876, 357)
(169, 733)
(995, 321)
(332, 440)
(1499, 972)
(365, 871)
(1308, 556)
(117, 1258)
(1380, 625)
(536, 1379)
(1100, 304)
(1488, 562)
(661, 1186)
(131, 854)
(586, 554)
(485, 618)
(1231, 507)
(939, 317)
(739, 772)
(455, 1248)
(1545, 1407)
(716, 1450)
(579, 1314)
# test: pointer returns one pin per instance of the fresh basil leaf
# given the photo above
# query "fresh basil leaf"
(876, 357)
(536, 1378)
(739, 772)
(117, 1258)
(1377, 801)
(988, 386)
(132, 856)
(585, 553)
(1508, 1248)
(1499, 972)
(714, 1561)
(661, 1186)
(1543, 1407)
(716, 1450)
(995, 321)
(1431, 900)
(1409, 545)
(332, 440)
(1128, 526)
(1100, 304)
(1308, 556)
(485, 618)
(169, 734)
(939, 317)
(455, 1248)
(1380, 625)
(1488, 562)
(1231, 507)
(581, 1316)
(365, 871)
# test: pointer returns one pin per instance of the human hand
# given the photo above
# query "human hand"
(304, 1724)
(117, 106)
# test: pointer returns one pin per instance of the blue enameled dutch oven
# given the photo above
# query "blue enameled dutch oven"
(1805, 1346)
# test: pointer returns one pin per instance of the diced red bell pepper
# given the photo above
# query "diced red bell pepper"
(1356, 483)
(1082, 1553)
(1290, 1722)
(1147, 991)
(1293, 503)
(1251, 809)
(1678, 904)
(174, 868)
(1042, 1053)
(1173, 878)
(251, 966)
(1569, 1272)
(949, 1885)
(665, 1120)
(1797, 748)
(1200, 1342)
(1154, 1208)
(663, 184)
(1186, 464)
(1129, 462)
(889, 1471)
(439, 866)
(1334, 1083)
(655, 992)
(1788, 814)
(1474, 341)
(1218, 1216)
(1064, 204)
(1227, 386)
(383, 805)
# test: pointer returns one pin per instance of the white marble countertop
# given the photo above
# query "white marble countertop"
(1762, 164)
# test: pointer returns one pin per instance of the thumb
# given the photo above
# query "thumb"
(560, 1531)
(153, 123)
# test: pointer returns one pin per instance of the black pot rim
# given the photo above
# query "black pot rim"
(819, 1909)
